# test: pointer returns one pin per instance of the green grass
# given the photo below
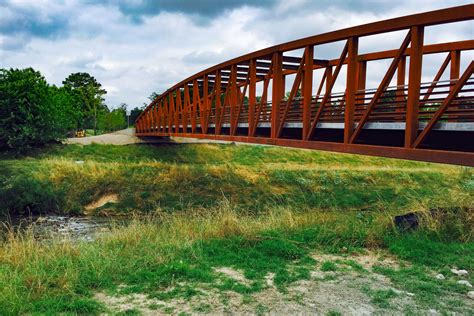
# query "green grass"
(328, 266)
(254, 178)
(211, 206)
(380, 297)
(171, 258)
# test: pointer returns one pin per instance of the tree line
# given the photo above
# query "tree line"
(33, 112)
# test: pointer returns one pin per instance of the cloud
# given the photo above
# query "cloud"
(201, 11)
(39, 19)
(134, 49)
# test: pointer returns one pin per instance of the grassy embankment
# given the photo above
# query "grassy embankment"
(257, 209)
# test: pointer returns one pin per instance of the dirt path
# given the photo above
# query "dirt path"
(127, 137)
(123, 137)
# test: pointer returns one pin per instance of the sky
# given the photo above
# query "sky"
(136, 47)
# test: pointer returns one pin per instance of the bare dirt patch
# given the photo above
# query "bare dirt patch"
(108, 198)
(233, 274)
(367, 260)
(345, 291)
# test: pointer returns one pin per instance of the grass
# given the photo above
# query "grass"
(169, 260)
(254, 178)
(380, 297)
(328, 266)
(208, 206)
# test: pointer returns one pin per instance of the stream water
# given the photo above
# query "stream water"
(46, 227)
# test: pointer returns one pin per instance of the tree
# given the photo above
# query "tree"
(134, 113)
(32, 113)
(89, 93)
(113, 120)
(153, 96)
(297, 95)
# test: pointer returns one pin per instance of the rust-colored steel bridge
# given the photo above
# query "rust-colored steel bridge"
(401, 117)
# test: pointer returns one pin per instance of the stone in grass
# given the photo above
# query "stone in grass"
(440, 276)
(464, 282)
(407, 222)
(470, 294)
(459, 272)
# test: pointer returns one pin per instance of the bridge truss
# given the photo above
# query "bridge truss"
(401, 117)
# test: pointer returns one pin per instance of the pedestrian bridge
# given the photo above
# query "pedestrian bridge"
(290, 95)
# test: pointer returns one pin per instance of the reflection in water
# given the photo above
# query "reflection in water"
(46, 227)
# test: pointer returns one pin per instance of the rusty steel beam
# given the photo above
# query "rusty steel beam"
(440, 156)
(414, 82)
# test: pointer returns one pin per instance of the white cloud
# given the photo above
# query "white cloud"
(134, 59)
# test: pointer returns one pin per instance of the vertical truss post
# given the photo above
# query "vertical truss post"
(414, 81)
(218, 89)
(400, 92)
(155, 119)
(283, 85)
(351, 88)
(174, 110)
(186, 108)
(169, 120)
(155, 116)
(165, 113)
(194, 106)
(455, 68)
(151, 113)
(161, 115)
(233, 97)
(169, 112)
(179, 106)
(205, 104)
(252, 94)
(277, 93)
(145, 121)
(177, 111)
(307, 88)
(361, 82)
(328, 83)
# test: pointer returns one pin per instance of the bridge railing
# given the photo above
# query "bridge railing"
(222, 103)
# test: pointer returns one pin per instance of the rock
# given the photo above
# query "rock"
(410, 294)
(459, 272)
(464, 282)
(407, 221)
(440, 277)
(396, 291)
(470, 294)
